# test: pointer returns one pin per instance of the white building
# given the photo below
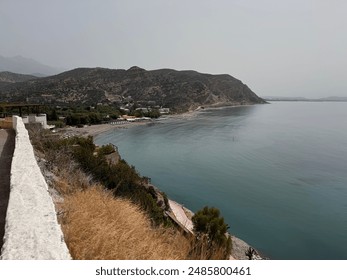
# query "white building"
(40, 118)
(164, 110)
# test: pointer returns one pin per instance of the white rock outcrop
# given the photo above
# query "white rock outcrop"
(32, 230)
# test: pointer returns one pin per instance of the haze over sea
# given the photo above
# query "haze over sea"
(277, 172)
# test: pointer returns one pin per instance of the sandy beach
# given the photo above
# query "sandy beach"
(94, 130)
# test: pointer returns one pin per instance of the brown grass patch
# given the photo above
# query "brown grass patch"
(99, 226)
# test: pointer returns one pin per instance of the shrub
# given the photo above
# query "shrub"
(106, 149)
(121, 178)
(210, 226)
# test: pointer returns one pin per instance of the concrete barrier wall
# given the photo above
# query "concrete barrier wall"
(32, 230)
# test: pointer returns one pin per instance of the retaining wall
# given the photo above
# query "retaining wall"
(32, 230)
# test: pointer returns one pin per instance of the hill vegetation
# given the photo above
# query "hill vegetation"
(7, 78)
(178, 90)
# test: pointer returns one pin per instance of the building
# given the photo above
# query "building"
(39, 118)
(164, 111)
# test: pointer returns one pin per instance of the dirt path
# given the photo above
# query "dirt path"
(6, 152)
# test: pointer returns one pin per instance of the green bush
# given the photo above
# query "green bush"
(78, 119)
(209, 225)
(106, 149)
(121, 178)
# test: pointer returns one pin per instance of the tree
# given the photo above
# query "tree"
(210, 226)
(52, 115)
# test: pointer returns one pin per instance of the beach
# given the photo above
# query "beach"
(94, 130)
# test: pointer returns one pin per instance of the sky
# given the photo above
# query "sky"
(276, 47)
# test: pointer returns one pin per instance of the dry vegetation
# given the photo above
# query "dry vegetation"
(98, 225)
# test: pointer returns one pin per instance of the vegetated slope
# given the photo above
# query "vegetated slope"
(7, 78)
(98, 226)
(96, 223)
(109, 224)
(178, 90)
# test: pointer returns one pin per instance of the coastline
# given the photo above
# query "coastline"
(182, 214)
(239, 246)
(97, 129)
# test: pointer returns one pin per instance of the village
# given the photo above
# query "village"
(50, 117)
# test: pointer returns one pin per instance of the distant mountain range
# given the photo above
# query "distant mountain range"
(22, 65)
(281, 98)
(178, 90)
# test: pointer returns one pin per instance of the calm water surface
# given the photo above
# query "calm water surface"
(277, 172)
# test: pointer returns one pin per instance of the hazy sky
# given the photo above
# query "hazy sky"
(283, 48)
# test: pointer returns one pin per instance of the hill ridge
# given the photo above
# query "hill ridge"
(180, 90)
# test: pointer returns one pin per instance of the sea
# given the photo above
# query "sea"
(277, 172)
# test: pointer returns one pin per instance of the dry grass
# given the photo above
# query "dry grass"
(99, 226)
(96, 225)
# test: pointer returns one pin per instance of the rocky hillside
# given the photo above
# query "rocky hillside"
(178, 90)
(9, 78)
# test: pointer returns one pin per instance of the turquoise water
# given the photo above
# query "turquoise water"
(277, 172)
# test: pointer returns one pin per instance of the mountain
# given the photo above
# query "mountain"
(178, 90)
(334, 98)
(19, 64)
(9, 77)
(282, 98)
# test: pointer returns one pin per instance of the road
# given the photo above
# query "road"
(6, 151)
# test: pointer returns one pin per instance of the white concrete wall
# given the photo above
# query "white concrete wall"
(14, 122)
(32, 230)
(32, 118)
(42, 119)
(25, 119)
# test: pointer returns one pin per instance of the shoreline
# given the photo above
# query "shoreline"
(97, 129)
(239, 246)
